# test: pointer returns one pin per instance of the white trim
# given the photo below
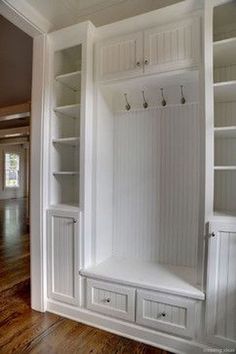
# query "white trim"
(129, 330)
(25, 17)
(38, 171)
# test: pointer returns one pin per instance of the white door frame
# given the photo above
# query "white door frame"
(38, 166)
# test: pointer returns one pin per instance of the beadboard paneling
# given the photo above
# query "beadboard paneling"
(225, 114)
(226, 294)
(225, 73)
(225, 152)
(225, 191)
(156, 184)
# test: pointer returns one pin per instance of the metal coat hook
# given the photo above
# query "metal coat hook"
(183, 100)
(145, 104)
(163, 102)
(127, 106)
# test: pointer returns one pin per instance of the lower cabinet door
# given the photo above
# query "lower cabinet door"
(221, 285)
(166, 313)
(62, 254)
(111, 299)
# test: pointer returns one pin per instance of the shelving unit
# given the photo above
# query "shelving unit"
(65, 127)
(224, 57)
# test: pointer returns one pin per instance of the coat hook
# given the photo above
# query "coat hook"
(163, 102)
(145, 104)
(127, 106)
(183, 100)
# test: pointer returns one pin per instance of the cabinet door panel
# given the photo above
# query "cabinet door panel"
(120, 57)
(221, 285)
(62, 257)
(173, 47)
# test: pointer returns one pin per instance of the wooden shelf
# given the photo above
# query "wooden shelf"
(225, 168)
(171, 279)
(72, 110)
(73, 141)
(225, 52)
(225, 91)
(71, 80)
(65, 173)
(73, 206)
(225, 132)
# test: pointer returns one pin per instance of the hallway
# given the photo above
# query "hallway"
(14, 243)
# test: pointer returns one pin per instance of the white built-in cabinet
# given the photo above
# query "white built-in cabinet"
(221, 284)
(63, 255)
(126, 223)
(157, 49)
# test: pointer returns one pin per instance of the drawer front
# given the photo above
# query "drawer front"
(167, 313)
(111, 299)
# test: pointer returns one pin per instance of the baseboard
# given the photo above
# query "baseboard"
(130, 330)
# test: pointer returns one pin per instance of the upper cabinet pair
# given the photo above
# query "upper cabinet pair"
(154, 50)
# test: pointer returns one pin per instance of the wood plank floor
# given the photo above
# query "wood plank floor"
(23, 330)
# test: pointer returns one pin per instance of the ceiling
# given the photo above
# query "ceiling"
(62, 13)
(15, 64)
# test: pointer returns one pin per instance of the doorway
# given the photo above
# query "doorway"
(16, 49)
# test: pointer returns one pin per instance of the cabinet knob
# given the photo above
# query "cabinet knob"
(138, 64)
(75, 221)
(213, 234)
(107, 300)
(162, 314)
(146, 62)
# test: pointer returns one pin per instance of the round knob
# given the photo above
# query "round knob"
(163, 314)
(107, 300)
(213, 234)
(146, 62)
(138, 64)
(75, 221)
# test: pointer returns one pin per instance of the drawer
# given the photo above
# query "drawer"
(111, 299)
(166, 313)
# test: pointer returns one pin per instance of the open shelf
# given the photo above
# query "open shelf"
(162, 277)
(225, 132)
(225, 52)
(225, 91)
(69, 205)
(68, 141)
(225, 168)
(72, 110)
(70, 80)
(65, 173)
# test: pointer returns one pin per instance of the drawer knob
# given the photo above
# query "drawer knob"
(146, 62)
(107, 300)
(75, 221)
(138, 64)
(162, 314)
(213, 234)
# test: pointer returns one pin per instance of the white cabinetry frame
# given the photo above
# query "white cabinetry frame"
(221, 284)
(63, 256)
(154, 50)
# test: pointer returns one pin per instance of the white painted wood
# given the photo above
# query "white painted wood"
(176, 344)
(225, 132)
(119, 57)
(71, 80)
(225, 191)
(165, 278)
(172, 47)
(225, 91)
(111, 299)
(72, 110)
(156, 184)
(226, 73)
(225, 52)
(63, 255)
(166, 313)
(225, 114)
(221, 285)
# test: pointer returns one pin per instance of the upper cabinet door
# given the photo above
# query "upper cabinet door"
(173, 47)
(120, 57)
(221, 285)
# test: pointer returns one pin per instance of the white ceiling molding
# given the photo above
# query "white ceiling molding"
(25, 17)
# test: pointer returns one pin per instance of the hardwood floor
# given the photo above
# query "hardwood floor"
(23, 330)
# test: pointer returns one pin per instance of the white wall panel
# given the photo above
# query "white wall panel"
(225, 114)
(156, 184)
